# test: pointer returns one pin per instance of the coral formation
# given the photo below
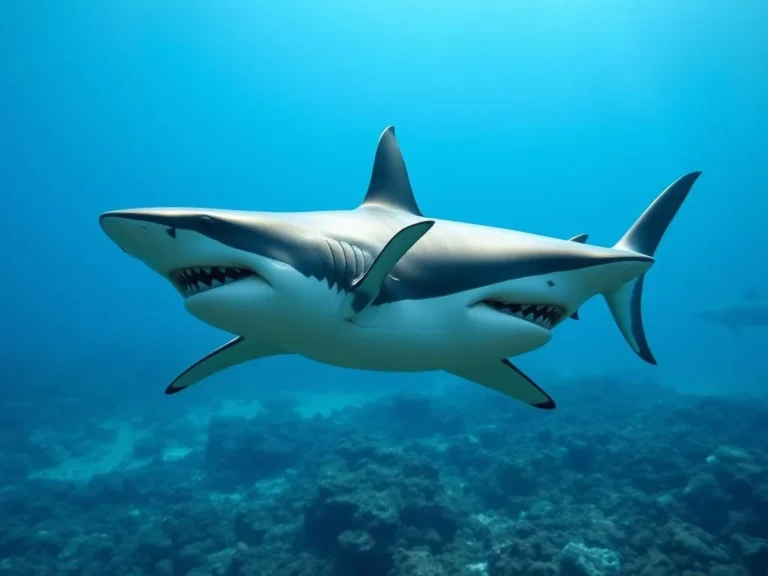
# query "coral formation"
(619, 481)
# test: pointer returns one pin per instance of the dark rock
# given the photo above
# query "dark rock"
(515, 479)
(754, 552)
(243, 451)
(163, 568)
(580, 456)
(360, 555)
(543, 569)
(413, 411)
(707, 502)
(491, 437)
(251, 526)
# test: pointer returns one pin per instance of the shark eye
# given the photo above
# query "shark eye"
(205, 221)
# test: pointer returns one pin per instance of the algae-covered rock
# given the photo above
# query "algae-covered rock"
(579, 560)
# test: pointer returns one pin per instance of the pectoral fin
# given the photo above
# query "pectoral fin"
(504, 377)
(232, 353)
(366, 287)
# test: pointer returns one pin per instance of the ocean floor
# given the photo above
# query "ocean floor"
(621, 479)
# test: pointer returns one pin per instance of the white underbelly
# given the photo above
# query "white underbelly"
(308, 319)
(407, 336)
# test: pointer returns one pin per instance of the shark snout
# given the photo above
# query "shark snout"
(136, 236)
(158, 239)
(178, 245)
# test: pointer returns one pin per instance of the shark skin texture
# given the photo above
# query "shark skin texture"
(751, 311)
(382, 287)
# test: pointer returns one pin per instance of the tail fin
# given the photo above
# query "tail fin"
(644, 237)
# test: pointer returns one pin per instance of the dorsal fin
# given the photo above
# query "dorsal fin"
(389, 184)
(580, 238)
(752, 293)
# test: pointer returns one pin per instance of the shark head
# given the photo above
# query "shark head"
(220, 262)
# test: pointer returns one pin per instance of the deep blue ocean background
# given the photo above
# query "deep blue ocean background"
(551, 117)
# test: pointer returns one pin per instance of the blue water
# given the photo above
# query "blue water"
(551, 117)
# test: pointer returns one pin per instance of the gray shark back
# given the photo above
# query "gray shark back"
(453, 257)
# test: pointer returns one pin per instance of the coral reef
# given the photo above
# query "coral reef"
(622, 480)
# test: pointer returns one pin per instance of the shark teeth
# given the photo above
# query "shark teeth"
(191, 281)
(544, 315)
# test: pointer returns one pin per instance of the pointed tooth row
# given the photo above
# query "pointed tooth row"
(199, 279)
(542, 314)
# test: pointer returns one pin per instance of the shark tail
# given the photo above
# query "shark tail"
(643, 237)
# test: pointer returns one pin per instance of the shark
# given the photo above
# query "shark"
(748, 312)
(382, 287)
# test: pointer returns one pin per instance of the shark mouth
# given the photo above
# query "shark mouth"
(191, 281)
(544, 315)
